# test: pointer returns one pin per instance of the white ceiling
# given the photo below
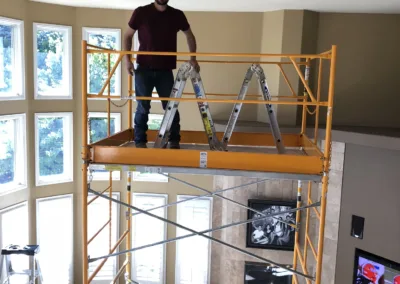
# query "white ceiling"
(346, 6)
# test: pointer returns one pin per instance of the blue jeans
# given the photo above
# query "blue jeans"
(145, 81)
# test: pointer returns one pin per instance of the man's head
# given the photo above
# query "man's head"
(162, 2)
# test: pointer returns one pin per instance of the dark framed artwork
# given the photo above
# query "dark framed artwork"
(270, 233)
(264, 273)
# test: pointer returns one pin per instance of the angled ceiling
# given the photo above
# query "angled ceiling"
(345, 6)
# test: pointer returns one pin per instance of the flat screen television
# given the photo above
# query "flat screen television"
(263, 273)
(373, 269)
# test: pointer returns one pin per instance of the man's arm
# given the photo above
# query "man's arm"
(128, 36)
(191, 41)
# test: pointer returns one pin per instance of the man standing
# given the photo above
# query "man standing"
(157, 25)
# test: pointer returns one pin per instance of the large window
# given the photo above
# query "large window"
(12, 76)
(196, 215)
(98, 63)
(52, 61)
(14, 231)
(148, 265)
(97, 131)
(53, 135)
(98, 215)
(55, 238)
(12, 153)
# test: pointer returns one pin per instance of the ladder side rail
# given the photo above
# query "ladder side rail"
(276, 133)
(236, 109)
(205, 113)
(172, 106)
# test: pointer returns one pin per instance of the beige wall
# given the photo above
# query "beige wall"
(367, 85)
(370, 190)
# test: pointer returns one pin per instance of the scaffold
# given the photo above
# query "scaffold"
(262, 156)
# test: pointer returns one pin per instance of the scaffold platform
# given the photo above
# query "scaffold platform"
(254, 155)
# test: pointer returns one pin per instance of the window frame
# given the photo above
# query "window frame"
(104, 176)
(180, 197)
(68, 61)
(165, 216)
(118, 73)
(19, 59)
(55, 197)
(21, 182)
(68, 155)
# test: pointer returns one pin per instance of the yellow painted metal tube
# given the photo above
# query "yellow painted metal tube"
(303, 266)
(305, 250)
(99, 231)
(287, 81)
(107, 83)
(327, 157)
(201, 54)
(296, 235)
(129, 225)
(318, 100)
(94, 198)
(85, 264)
(311, 246)
(258, 102)
(241, 62)
(119, 273)
(303, 80)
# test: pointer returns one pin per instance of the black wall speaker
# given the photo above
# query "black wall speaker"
(357, 227)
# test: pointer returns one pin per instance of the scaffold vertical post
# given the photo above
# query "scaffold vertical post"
(129, 225)
(304, 116)
(327, 157)
(296, 236)
(108, 135)
(84, 165)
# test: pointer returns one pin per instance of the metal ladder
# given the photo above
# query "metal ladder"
(29, 250)
(184, 72)
(257, 69)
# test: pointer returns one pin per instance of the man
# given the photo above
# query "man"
(157, 25)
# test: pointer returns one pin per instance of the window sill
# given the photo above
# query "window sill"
(11, 188)
(53, 180)
(70, 97)
(12, 98)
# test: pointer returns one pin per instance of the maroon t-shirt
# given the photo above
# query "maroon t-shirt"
(158, 32)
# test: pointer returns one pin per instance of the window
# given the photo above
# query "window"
(14, 231)
(53, 136)
(98, 215)
(55, 238)
(98, 131)
(52, 57)
(98, 62)
(196, 215)
(12, 153)
(12, 75)
(148, 265)
(136, 46)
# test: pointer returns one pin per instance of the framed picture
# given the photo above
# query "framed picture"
(261, 273)
(271, 232)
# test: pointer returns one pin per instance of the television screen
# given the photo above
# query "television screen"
(373, 269)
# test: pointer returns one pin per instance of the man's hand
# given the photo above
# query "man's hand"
(129, 67)
(195, 64)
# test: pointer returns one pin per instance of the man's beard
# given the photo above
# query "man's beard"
(162, 2)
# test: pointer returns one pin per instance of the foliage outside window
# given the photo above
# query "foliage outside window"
(55, 214)
(12, 153)
(98, 63)
(12, 75)
(53, 61)
(98, 130)
(149, 264)
(53, 148)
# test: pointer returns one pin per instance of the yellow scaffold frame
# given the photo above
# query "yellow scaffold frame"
(313, 165)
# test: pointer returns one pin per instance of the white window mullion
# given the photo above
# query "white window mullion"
(149, 264)
(196, 215)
